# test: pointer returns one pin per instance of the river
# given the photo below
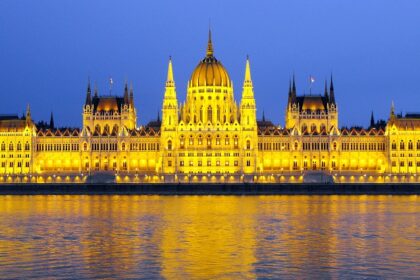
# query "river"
(209, 237)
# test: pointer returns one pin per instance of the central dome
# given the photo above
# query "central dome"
(210, 71)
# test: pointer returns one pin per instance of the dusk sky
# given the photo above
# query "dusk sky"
(48, 49)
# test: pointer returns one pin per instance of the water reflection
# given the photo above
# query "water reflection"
(209, 237)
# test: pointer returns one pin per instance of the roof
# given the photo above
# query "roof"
(107, 103)
(12, 125)
(312, 102)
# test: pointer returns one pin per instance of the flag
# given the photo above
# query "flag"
(311, 79)
(110, 80)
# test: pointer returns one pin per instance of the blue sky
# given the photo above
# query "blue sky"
(48, 49)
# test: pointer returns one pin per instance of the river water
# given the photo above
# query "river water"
(209, 237)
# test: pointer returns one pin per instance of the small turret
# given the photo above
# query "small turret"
(28, 115)
(209, 45)
(52, 121)
(88, 94)
(372, 120)
(131, 95)
(126, 98)
(332, 95)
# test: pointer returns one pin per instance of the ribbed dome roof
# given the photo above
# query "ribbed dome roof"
(210, 71)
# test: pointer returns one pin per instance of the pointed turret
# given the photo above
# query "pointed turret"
(332, 95)
(209, 45)
(126, 99)
(248, 80)
(170, 102)
(28, 115)
(293, 92)
(170, 77)
(131, 95)
(372, 120)
(248, 108)
(88, 94)
(52, 121)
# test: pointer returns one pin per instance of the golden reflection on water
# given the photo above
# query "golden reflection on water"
(225, 237)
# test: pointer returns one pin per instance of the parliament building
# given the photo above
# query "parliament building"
(210, 138)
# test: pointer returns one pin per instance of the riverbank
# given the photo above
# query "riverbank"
(209, 189)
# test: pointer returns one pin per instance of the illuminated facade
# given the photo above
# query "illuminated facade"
(210, 138)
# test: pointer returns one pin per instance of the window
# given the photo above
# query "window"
(248, 163)
(10, 146)
(169, 162)
(209, 163)
(19, 146)
(235, 163)
(402, 146)
(27, 164)
(3, 146)
(248, 144)
(169, 145)
(410, 145)
(209, 114)
(191, 141)
(394, 145)
(123, 146)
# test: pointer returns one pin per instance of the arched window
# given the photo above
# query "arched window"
(106, 129)
(304, 127)
(248, 145)
(410, 145)
(235, 142)
(182, 142)
(218, 113)
(296, 145)
(200, 140)
(201, 114)
(19, 146)
(209, 114)
(335, 146)
(191, 141)
(84, 146)
(27, 146)
(208, 142)
(402, 146)
(393, 145)
(418, 145)
(227, 140)
(169, 145)
(123, 146)
(3, 146)
(313, 127)
(10, 146)
(115, 129)
(322, 128)
(98, 128)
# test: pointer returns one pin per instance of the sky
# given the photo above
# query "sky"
(49, 49)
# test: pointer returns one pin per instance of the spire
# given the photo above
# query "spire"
(372, 120)
(293, 91)
(131, 94)
(209, 45)
(28, 115)
(88, 94)
(170, 78)
(126, 100)
(332, 95)
(158, 116)
(392, 108)
(247, 80)
(52, 121)
(263, 116)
